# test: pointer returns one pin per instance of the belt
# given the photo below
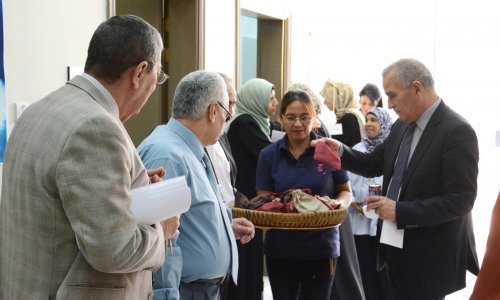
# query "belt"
(213, 281)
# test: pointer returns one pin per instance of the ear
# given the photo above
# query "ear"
(212, 112)
(138, 73)
(417, 87)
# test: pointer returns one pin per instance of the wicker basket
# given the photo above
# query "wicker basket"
(302, 221)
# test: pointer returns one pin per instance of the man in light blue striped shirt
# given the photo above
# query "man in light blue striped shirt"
(202, 254)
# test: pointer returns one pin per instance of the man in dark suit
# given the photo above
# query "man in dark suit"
(430, 183)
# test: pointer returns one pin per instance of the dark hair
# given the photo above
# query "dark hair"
(372, 92)
(297, 95)
(119, 43)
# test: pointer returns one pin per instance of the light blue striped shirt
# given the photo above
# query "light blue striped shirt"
(205, 246)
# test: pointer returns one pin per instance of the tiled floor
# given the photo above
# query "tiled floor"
(459, 295)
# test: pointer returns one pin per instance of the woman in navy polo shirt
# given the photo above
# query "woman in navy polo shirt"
(248, 132)
(304, 258)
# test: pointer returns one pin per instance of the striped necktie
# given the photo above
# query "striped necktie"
(227, 223)
(401, 163)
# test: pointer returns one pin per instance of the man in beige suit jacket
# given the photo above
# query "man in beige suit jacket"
(66, 228)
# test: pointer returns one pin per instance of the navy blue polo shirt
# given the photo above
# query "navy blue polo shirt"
(278, 171)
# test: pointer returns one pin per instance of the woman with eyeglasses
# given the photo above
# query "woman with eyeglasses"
(300, 263)
(248, 132)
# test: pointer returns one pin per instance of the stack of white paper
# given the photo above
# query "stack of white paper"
(276, 135)
(159, 201)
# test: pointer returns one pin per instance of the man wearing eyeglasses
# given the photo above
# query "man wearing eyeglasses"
(66, 228)
(220, 152)
(205, 252)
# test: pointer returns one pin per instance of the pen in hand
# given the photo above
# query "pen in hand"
(170, 230)
(169, 241)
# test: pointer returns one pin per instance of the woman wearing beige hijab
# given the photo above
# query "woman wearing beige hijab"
(339, 98)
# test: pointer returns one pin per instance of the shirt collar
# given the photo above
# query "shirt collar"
(109, 98)
(188, 137)
(426, 116)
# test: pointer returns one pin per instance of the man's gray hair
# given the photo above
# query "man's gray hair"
(195, 92)
(408, 70)
(119, 43)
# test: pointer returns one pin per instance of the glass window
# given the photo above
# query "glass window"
(248, 48)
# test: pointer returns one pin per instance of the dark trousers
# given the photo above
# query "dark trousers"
(313, 278)
(400, 292)
(394, 274)
(203, 289)
(366, 249)
(251, 269)
(348, 283)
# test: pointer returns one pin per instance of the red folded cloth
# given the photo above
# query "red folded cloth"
(271, 206)
(325, 155)
(289, 207)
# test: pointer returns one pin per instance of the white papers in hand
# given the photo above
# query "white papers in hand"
(336, 129)
(369, 213)
(276, 135)
(159, 201)
(391, 235)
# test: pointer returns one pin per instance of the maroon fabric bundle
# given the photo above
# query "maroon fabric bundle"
(278, 207)
(283, 202)
(325, 155)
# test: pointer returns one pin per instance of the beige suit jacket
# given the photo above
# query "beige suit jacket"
(66, 229)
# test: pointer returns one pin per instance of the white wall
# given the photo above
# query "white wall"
(41, 39)
(458, 40)
(220, 29)
(279, 9)
(220, 36)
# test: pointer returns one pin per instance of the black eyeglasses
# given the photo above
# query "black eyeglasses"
(228, 114)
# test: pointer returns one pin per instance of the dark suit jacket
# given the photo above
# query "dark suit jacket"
(437, 196)
(224, 142)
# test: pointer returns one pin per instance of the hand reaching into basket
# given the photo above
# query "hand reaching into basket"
(243, 229)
